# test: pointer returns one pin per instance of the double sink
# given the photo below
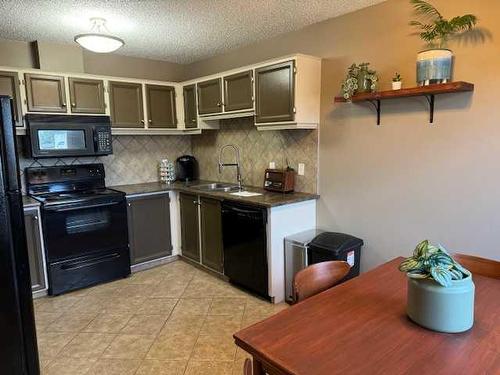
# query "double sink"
(217, 186)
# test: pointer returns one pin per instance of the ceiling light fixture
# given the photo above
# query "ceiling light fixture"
(98, 40)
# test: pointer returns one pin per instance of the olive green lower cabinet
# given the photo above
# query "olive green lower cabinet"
(149, 227)
(35, 249)
(201, 228)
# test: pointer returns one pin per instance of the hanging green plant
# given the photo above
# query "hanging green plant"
(359, 79)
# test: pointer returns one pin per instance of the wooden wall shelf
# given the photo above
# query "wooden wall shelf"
(428, 92)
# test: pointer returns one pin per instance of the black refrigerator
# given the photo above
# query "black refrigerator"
(18, 346)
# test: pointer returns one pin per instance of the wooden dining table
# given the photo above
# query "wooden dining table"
(361, 327)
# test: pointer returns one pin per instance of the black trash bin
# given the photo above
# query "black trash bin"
(336, 246)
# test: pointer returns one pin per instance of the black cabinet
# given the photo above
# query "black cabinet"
(190, 232)
(275, 93)
(210, 97)
(149, 227)
(35, 250)
(238, 91)
(211, 234)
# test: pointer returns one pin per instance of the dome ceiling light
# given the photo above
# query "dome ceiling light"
(98, 40)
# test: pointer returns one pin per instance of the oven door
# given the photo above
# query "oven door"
(83, 229)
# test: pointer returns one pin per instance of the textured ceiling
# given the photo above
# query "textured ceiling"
(181, 31)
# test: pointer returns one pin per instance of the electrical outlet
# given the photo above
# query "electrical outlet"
(301, 171)
(272, 165)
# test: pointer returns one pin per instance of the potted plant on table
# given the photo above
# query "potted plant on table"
(440, 290)
(434, 65)
(397, 82)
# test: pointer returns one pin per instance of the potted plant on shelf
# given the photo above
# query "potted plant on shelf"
(397, 82)
(360, 78)
(434, 65)
(440, 290)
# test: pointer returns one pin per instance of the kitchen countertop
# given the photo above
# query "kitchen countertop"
(29, 202)
(267, 199)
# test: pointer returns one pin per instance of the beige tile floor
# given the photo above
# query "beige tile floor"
(170, 320)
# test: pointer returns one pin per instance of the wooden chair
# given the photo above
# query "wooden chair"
(247, 367)
(479, 266)
(318, 278)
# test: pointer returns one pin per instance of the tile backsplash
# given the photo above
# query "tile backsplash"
(257, 149)
(135, 158)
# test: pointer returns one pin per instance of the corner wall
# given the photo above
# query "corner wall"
(406, 180)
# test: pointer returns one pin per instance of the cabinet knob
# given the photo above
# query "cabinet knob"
(219, 104)
(142, 121)
(35, 217)
(63, 104)
(193, 120)
(129, 204)
(150, 121)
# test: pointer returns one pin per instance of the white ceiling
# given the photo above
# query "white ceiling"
(181, 31)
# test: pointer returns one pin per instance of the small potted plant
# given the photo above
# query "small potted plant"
(396, 82)
(440, 290)
(434, 64)
(360, 78)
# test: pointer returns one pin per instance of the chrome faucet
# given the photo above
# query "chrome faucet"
(234, 164)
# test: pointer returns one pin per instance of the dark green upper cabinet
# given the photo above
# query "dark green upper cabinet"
(211, 234)
(126, 105)
(190, 115)
(274, 93)
(9, 85)
(45, 93)
(149, 227)
(210, 96)
(190, 234)
(160, 102)
(238, 92)
(87, 95)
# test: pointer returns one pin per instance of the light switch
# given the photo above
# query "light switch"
(301, 169)
(272, 165)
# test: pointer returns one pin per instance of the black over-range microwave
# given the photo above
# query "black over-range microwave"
(55, 136)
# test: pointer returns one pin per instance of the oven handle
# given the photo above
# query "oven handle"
(63, 209)
(91, 262)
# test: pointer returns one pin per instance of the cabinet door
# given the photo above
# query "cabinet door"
(126, 105)
(238, 92)
(45, 93)
(190, 235)
(274, 93)
(149, 228)
(190, 115)
(161, 106)
(210, 97)
(87, 95)
(35, 253)
(9, 85)
(211, 234)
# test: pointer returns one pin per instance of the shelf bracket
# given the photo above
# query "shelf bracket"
(430, 99)
(376, 105)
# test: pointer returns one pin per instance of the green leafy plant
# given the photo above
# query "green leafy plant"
(437, 30)
(352, 82)
(397, 78)
(433, 262)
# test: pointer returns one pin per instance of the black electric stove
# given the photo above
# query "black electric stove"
(84, 226)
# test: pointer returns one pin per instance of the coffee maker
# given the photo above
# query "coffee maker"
(186, 168)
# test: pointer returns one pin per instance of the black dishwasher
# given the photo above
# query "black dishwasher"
(245, 246)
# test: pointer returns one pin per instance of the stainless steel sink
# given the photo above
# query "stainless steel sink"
(217, 186)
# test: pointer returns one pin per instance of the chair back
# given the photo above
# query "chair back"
(247, 367)
(479, 266)
(318, 278)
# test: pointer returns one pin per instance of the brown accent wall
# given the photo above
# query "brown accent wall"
(257, 149)
(406, 180)
(16, 53)
(133, 67)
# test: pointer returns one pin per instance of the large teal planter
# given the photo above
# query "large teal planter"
(441, 309)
